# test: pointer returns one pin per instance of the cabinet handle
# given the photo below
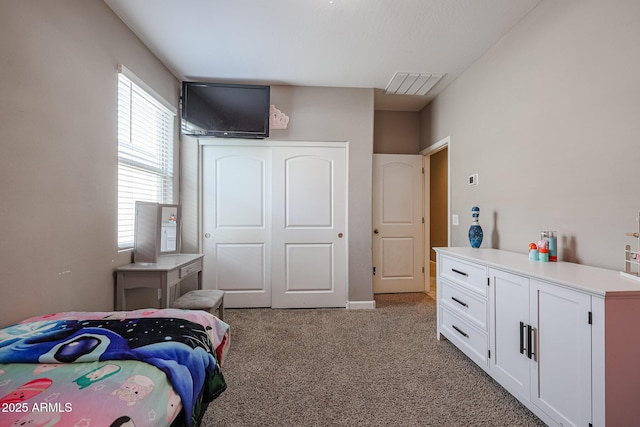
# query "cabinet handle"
(522, 328)
(531, 342)
(459, 272)
(464, 304)
(460, 331)
(530, 332)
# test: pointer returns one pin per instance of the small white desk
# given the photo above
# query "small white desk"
(164, 274)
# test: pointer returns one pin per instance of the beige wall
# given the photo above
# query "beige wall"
(396, 132)
(319, 114)
(548, 118)
(58, 155)
(58, 152)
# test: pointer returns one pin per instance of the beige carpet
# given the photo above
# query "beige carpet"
(337, 367)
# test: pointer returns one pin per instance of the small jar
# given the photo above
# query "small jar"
(553, 245)
(543, 254)
(533, 252)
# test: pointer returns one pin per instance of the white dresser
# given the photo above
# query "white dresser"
(563, 338)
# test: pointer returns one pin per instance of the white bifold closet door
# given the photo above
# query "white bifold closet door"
(274, 225)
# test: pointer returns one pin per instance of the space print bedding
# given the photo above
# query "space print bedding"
(150, 367)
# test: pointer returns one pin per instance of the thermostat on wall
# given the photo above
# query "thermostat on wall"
(473, 179)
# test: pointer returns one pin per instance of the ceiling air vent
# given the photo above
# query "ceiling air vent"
(412, 83)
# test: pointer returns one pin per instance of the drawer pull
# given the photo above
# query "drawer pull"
(522, 329)
(459, 272)
(460, 331)
(464, 304)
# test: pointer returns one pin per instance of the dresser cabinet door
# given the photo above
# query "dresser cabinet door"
(562, 370)
(541, 345)
(509, 301)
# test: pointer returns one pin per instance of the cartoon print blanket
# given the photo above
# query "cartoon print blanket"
(89, 394)
(183, 345)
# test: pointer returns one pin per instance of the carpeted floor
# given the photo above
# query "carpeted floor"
(337, 367)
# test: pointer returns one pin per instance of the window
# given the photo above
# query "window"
(146, 126)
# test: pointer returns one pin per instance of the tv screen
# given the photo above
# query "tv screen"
(225, 110)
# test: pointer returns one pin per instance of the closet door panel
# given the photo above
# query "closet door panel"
(309, 268)
(240, 192)
(308, 192)
(241, 267)
(309, 227)
(236, 218)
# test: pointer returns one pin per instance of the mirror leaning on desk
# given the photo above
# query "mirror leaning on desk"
(157, 231)
(158, 263)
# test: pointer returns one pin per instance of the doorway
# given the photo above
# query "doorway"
(437, 206)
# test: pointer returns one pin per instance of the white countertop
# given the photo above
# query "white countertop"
(593, 280)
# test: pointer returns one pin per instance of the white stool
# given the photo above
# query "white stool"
(202, 299)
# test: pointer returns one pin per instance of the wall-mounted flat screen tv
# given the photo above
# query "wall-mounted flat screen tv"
(225, 110)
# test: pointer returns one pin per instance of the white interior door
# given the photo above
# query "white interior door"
(397, 220)
(309, 240)
(236, 220)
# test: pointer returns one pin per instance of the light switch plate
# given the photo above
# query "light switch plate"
(455, 220)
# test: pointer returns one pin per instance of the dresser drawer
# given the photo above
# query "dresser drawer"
(187, 270)
(467, 305)
(471, 341)
(470, 275)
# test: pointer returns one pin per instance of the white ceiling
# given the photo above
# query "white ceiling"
(334, 43)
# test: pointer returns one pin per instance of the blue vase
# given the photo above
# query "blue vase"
(475, 231)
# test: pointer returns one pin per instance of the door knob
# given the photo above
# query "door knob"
(340, 235)
(375, 231)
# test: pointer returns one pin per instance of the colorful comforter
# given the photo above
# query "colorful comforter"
(85, 369)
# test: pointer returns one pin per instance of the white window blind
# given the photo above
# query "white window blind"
(145, 154)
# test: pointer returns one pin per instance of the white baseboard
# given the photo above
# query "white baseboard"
(361, 305)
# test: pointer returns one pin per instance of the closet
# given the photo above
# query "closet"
(274, 218)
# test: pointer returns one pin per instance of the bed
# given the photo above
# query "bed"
(155, 367)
